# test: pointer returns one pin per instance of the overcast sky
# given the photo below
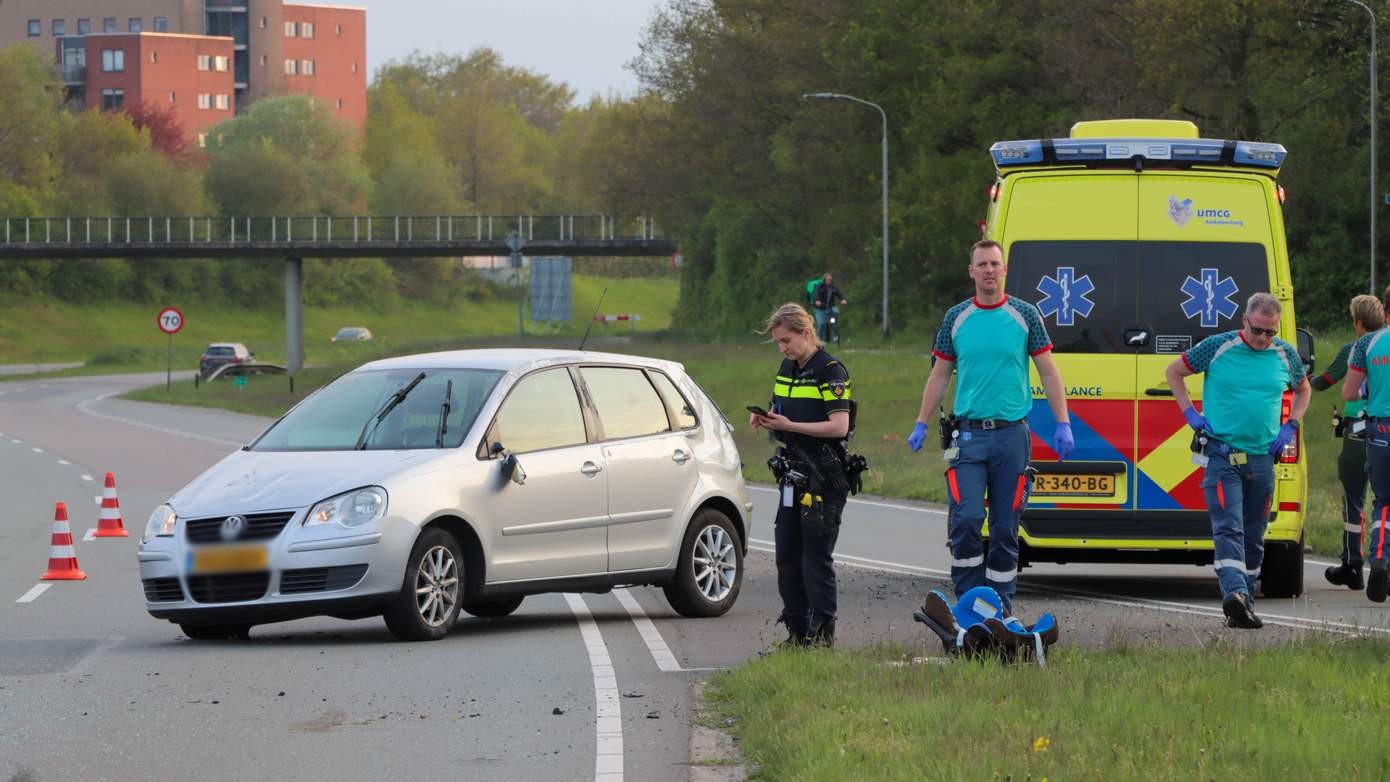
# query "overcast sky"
(584, 43)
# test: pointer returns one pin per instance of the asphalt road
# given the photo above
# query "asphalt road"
(92, 688)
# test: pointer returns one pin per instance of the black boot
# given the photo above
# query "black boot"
(1240, 612)
(1349, 576)
(822, 634)
(795, 640)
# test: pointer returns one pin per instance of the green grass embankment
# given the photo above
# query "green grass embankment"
(1303, 710)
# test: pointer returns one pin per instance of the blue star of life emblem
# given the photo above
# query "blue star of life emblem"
(1209, 298)
(1064, 296)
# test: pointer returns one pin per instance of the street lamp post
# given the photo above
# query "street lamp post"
(1368, 10)
(884, 115)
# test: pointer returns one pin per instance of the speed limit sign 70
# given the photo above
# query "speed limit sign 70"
(170, 320)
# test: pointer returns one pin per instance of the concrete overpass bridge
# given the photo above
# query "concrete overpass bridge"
(296, 238)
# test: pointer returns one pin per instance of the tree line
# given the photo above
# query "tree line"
(764, 187)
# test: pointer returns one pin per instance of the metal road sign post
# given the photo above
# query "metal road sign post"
(170, 321)
(515, 243)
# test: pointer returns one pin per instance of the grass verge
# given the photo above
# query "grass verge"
(1296, 711)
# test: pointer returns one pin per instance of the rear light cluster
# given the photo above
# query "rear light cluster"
(1290, 454)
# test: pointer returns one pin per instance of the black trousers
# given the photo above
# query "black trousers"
(1351, 469)
(805, 573)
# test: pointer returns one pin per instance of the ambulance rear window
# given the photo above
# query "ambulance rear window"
(1085, 290)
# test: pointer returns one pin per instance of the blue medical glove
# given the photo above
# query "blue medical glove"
(1194, 419)
(1062, 441)
(918, 436)
(1286, 435)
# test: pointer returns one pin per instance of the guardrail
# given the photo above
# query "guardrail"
(315, 229)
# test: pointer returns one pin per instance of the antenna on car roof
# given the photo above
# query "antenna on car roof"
(591, 320)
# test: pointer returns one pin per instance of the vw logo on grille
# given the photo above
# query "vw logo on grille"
(232, 527)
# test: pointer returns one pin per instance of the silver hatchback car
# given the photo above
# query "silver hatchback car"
(412, 488)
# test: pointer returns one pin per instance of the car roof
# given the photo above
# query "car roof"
(226, 345)
(513, 359)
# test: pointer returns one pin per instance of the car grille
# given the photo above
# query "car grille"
(233, 588)
(259, 526)
(163, 590)
(320, 579)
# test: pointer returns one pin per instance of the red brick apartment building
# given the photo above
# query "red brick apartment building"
(205, 58)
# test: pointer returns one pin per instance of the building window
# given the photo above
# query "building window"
(291, 67)
(161, 24)
(113, 60)
(205, 62)
(35, 28)
(108, 24)
(264, 23)
(112, 100)
(204, 100)
(340, 103)
(84, 26)
(135, 25)
(339, 29)
(60, 27)
(263, 60)
(224, 102)
(202, 139)
(354, 67)
(289, 29)
(306, 67)
(154, 56)
(306, 29)
(171, 96)
(219, 63)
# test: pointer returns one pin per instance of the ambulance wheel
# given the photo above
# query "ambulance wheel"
(1282, 573)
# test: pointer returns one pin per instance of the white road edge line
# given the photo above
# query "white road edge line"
(36, 450)
(90, 536)
(33, 594)
(65, 462)
(1284, 620)
(608, 717)
(890, 505)
(86, 477)
(83, 407)
(661, 653)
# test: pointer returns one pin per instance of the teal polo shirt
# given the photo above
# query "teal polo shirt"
(991, 345)
(1371, 354)
(1243, 386)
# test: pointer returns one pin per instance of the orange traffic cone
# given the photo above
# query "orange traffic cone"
(62, 560)
(109, 524)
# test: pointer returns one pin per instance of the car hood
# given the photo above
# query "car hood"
(252, 481)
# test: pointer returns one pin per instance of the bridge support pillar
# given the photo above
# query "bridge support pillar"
(294, 314)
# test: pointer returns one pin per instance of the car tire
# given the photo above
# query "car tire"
(698, 589)
(216, 632)
(428, 603)
(1281, 575)
(493, 609)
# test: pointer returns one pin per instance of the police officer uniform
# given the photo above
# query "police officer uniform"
(1351, 471)
(991, 345)
(1371, 355)
(1240, 402)
(807, 527)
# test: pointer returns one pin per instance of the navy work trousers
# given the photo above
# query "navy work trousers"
(805, 572)
(1378, 462)
(1352, 471)
(993, 463)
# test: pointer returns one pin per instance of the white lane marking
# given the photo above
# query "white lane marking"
(33, 594)
(661, 653)
(608, 717)
(1192, 609)
(65, 462)
(90, 536)
(888, 505)
(36, 450)
(16, 442)
(86, 477)
(84, 407)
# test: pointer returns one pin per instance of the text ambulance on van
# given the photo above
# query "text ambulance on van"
(1136, 239)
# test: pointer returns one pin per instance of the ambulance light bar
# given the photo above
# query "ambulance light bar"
(1066, 150)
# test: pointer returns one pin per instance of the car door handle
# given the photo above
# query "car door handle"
(681, 456)
(1158, 392)
(590, 469)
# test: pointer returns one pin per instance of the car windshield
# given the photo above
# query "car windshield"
(346, 333)
(221, 351)
(338, 414)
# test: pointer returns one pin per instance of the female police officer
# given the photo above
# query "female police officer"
(810, 415)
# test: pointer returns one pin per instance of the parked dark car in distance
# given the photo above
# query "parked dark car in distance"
(219, 353)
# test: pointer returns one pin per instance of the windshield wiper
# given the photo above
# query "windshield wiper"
(386, 409)
(444, 411)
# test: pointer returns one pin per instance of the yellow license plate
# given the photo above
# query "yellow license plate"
(1064, 485)
(232, 559)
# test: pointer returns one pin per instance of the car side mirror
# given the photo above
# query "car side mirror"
(1306, 351)
(511, 467)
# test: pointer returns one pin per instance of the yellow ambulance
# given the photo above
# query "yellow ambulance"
(1136, 239)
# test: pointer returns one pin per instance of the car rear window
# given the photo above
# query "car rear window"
(1090, 293)
(215, 351)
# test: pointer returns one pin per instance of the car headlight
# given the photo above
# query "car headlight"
(161, 523)
(352, 509)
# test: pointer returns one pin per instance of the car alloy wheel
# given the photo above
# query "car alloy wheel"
(715, 563)
(436, 586)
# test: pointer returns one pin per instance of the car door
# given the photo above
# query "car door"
(651, 467)
(554, 524)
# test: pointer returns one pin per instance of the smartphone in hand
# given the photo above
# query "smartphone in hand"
(755, 410)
